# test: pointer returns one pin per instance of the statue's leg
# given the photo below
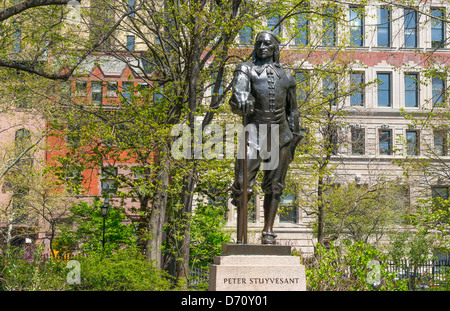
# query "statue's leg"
(273, 185)
(238, 191)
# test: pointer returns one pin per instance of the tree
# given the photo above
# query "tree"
(186, 45)
(363, 212)
(82, 230)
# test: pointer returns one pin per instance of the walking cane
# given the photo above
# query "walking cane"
(244, 186)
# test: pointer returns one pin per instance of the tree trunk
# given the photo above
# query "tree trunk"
(320, 221)
(183, 260)
(156, 218)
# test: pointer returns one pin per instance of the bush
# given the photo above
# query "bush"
(28, 270)
(350, 268)
(126, 270)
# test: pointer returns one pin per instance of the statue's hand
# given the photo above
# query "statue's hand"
(248, 107)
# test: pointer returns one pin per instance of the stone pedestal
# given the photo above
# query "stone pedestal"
(256, 268)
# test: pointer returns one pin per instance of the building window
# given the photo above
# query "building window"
(66, 90)
(158, 95)
(97, 92)
(358, 141)
(73, 180)
(22, 141)
(385, 142)
(142, 87)
(330, 90)
(127, 89)
(147, 66)
(329, 26)
(411, 90)
(80, 88)
(273, 24)
(412, 143)
(437, 28)
(246, 35)
(73, 134)
(384, 27)
(438, 91)
(17, 38)
(130, 43)
(20, 213)
(302, 37)
(384, 89)
(302, 78)
(439, 192)
(108, 183)
(23, 101)
(356, 26)
(440, 143)
(288, 206)
(111, 89)
(410, 20)
(357, 89)
(333, 140)
(131, 4)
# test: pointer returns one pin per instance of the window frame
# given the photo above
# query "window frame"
(302, 77)
(246, 35)
(302, 27)
(112, 88)
(438, 101)
(17, 38)
(441, 29)
(444, 145)
(326, 90)
(384, 24)
(390, 150)
(360, 17)
(415, 149)
(415, 90)
(330, 27)
(356, 144)
(81, 88)
(389, 90)
(272, 21)
(108, 181)
(131, 42)
(360, 89)
(291, 216)
(407, 37)
(436, 194)
(127, 89)
(97, 97)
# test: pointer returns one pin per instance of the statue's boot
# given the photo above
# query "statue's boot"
(271, 202)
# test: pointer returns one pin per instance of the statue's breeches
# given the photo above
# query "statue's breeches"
(273, 180)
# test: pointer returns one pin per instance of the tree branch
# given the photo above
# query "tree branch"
(25, 5)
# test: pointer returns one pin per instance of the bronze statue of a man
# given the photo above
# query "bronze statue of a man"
(265, 95)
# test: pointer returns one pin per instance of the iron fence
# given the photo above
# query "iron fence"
(420, 276)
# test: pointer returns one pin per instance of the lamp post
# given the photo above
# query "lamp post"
(104, 209)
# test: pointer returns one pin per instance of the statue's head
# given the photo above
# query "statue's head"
(267, 45)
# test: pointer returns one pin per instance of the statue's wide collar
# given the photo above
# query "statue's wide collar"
(275, 67)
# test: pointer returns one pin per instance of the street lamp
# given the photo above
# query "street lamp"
(104, 209)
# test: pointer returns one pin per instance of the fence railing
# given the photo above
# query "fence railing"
(420, 276)
(198, 275)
